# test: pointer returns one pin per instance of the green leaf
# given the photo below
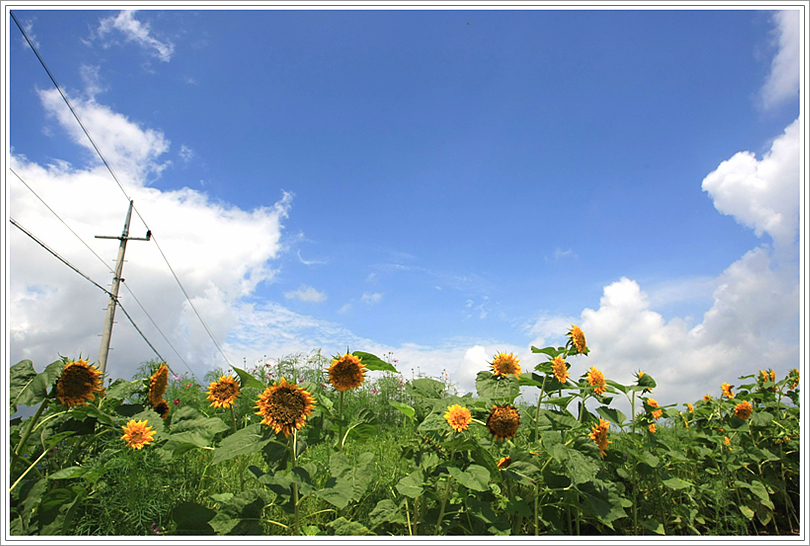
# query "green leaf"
(151, 417)
(499, 389)
(20, 376)
(424, 387)
(655, 526)
(120, 390)
(190, 430)
(611, 414)
(374, 363)
(68, 473)
(36, 390)
(530, 379)
(250, 439)
(604, 499)
(761, 419)
(563, 421)
(246, 380)
(193, 519)
(337, 492)
(434, 421)
(344, 527)
(242, 515)
(58, 508)
(404, 408)
(676, 484)
(474, 477)
(617, 386)
(386, 512)
(412, 484)
(550, 351)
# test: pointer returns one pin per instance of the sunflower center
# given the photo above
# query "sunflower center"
(287, 406)
(76, 379)
(224, 391)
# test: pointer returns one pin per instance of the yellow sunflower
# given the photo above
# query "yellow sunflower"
(503, 422)
(727, 442)
(505, 364)
(727, 390)
(77, 383)
(578, 339)
(690, 407)
(597, 380)
(347, 372)
(157, 385)
(458, 417)
(560, 369)
(652, 427)
(223, 393)
(284, 407)
(743, 409)
(657, 413)
(707, 398)
(599, 435)
(793, 376)
(137, 434)
(504, 462)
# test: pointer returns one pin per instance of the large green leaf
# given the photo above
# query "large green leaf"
(499, 389)
(242, 515)
(250, 439)
(604, 499)
(473, 477)
(20, 376)
(348, 481)
(611, 414)
(386, 512)
(193, 519)
(676, 484)
(337, 492)
(246, 380)
(424, 387)
(404, 408)
(345, 527)
(36, 389)
(374, 363)
(190, 429)
(412, 485)
(119, 391)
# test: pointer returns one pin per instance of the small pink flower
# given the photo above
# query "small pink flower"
(374, 390)
(175, 378)
(176, 401)
(187, 386)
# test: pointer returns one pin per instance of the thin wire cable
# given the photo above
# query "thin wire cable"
(131, 293)
(64, 261)
(109, 168)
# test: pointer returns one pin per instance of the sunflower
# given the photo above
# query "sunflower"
(162, 409)
(223, 393)
(77, 383)
(137, 434)
(707, 398)
(157, 385)
(794, 378)
(578, 339)
(727, 390)
(347, 372)
(596, 380)
(503, 422)
(284, 407)
(505, 364)
(560, 369)
(743, 409)
(690, 407)
(685, 422)
(727, 442)
(652, 428)
(504, 462)
(459, 418)
(599, 435)
(653, 403)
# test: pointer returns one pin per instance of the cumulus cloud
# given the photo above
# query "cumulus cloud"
(305, 293)
(219, 252)
(134, 30)
(761, 194)
(782, 83)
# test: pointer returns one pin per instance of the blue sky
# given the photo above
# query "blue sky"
(440, 184)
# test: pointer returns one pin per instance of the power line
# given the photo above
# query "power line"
(109, 168)
(131, 293)
(64, 261)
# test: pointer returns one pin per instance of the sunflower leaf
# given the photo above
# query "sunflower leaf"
(374, 363)
(247, 381)
(248, 440)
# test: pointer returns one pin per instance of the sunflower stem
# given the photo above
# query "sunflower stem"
(537, 410)
(447, 487)
(297, 530)
(340, 422)
(30, 428)
(27, 470)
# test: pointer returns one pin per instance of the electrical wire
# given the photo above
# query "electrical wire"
(131, 293)
(64, 261)
(109, 168)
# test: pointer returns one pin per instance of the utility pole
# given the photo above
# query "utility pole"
(119, 267)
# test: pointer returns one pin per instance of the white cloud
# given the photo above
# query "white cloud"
(186, 153)
(131, 150)
(764, 194)
(219, 252)
(92, 80)
(782, 83)
(138, 32)
(306, 293)
(371, 298)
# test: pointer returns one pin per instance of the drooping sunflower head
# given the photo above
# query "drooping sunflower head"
(504, 462)
(162, 409)
(743, 409)
(599, 435)
(347, 372)
(284, 407)
(577, 340)
(157, 385)
(560, 369)
(223, 392)
(727, 390)
(78, 383)
(690, 407)
(503, 421)
(504, 364)
(458, 417)
(137, 434)
(597, 380)
(793, 377)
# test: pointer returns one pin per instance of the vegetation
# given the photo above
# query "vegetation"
(346, 446)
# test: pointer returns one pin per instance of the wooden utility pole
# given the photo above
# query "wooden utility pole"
(119, 267)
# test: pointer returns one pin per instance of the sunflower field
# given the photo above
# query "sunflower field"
(317, 446)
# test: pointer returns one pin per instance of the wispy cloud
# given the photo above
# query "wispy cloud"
(186, 154)
(134, 30)
(371, 298)
(306, 293)
(311, 262)
(559, 254)
(782, 83)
